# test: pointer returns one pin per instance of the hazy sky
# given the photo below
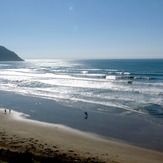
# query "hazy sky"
(82, 28)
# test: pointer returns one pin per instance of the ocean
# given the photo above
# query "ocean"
(123, 89)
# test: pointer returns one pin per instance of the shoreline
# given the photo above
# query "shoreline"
(57, 141)
(126, 128)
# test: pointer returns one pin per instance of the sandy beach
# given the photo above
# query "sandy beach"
(57, 142)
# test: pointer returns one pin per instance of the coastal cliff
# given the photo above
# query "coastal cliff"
(7, 55)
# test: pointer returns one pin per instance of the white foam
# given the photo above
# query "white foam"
(111, 77)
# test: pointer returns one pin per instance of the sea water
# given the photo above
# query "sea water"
(122, 86)
(123, 98)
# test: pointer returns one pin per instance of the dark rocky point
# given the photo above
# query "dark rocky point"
(7, 55)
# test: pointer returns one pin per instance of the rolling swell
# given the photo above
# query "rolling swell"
(135, 77)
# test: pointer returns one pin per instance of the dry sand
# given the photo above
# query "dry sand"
(18, 134)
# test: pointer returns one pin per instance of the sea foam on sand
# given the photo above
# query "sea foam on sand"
(67, 140)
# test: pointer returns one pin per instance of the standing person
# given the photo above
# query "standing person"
(5, 111)
(86, 115)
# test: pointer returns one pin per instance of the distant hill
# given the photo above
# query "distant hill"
(7, 55)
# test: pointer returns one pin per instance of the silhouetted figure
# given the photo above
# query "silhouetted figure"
(86, 115)
(5, 111)
(129, 82)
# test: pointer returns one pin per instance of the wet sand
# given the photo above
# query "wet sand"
(139, 130)
(23, 139)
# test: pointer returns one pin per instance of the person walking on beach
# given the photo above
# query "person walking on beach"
(5, 111)
(86, 115)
